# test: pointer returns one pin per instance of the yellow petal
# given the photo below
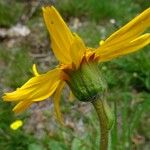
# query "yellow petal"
(16, 124)
(61, 36)
(127, 33)
(57, 96)
(22, 106)
(133, 46)
(35, 72)
(37, 88)
(77, 50)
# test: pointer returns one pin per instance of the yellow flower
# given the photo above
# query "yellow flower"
(16, 124)
(74, 57)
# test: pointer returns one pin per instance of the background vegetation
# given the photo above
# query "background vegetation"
(128, 78)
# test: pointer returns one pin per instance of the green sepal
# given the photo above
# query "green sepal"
(87, 82)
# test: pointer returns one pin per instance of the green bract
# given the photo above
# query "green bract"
(87, 82)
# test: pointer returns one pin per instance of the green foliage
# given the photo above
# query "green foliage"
(56, 145)
(10, 12)
(136, 66)
(98, 9)
(95, 35)
(19, 66)
(18, 140)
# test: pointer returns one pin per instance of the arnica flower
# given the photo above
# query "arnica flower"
(16, 124)
(78, 66)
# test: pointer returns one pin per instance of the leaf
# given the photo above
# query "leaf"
(56, 145)
(78, 145)
(35, 146)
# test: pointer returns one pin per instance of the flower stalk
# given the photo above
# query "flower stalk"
(105, 121)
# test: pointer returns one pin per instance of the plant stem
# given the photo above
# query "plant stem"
(103, 121)
(115, 127)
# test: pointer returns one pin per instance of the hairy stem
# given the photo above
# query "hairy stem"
(103, 121)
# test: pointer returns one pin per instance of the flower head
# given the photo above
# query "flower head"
(78, 63)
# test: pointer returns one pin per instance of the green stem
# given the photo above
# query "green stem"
(103, 121)
(115, 128)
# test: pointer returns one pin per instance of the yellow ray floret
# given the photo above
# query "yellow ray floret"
(37, 88)
(130, 31)
(34, 69)
(61, 36)
(121, 42)
(77, 50)
(132, 46)
(22, 106)
(57, 96)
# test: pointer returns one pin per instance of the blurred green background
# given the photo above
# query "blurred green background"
(24, 40)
